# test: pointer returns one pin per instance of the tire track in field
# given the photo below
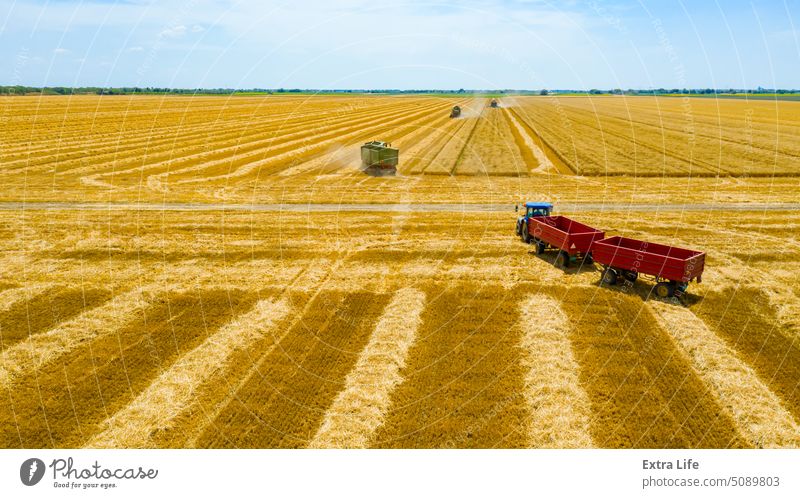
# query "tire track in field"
(559, 408)
(136, 130)
(678, 130)
(464, 382)
(15, 296)
(644, 392)
(274, 132)
(443, 147)
(347, 160)
(157, 406)
(163, 143)
(290, 152)
(467, 140)
(27, 318)
(98, 144)
(445, 162)
(58, 342)
(429, 147)
(786, 304)
(745, 320)
(548, 159)
(492, 148)
(284, 405)
(758, 412)
(263, 142)
(561, 164)
(316, 278)
(532, 155)
(360, 408)
(63, 403)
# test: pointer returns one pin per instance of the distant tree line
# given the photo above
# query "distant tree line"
(91, 90)
(688, 91)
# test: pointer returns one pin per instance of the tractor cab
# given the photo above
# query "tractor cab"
(532, 210)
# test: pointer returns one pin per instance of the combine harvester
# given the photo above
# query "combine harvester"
(494, 103)
(673, 268)
(456, 112)
(379, 158)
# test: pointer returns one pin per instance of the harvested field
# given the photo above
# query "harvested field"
(284, 402)
(360, 407)
(759, 413)
(558, 404)
(463, 388)
(129, 324)
(453, 149)
(650, 136)
(744, 318)
(644, 394)
(493, 148)
(44, 311)
(305, 149)
(155, 408)
(106, 373)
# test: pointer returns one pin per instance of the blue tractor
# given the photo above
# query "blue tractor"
(532, 209)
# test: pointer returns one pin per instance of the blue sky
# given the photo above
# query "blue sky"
(401, 44)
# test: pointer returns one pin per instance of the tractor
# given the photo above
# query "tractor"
(532, 210)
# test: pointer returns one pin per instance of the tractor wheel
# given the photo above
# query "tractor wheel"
(664, 289)
(526, 236)
(562, 259)
(630, 276)
(539, 246)
(519, 229)
(610, 276)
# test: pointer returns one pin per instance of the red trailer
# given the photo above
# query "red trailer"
(571, 238)
(672, 267)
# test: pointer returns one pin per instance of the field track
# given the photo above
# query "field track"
(406, 207)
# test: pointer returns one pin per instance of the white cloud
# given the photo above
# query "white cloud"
(60, 51)
(174, 32)
(197, 28)
(136, 49)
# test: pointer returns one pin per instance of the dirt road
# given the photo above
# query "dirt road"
(410, 208)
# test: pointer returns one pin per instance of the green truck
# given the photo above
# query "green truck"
(379, 158)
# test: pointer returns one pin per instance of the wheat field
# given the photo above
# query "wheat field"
(149, 298)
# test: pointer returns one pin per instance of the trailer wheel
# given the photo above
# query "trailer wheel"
(588, 259)
(630, 276)
(562, 259)
(610, 276)
(539, 246)
(664, 289)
